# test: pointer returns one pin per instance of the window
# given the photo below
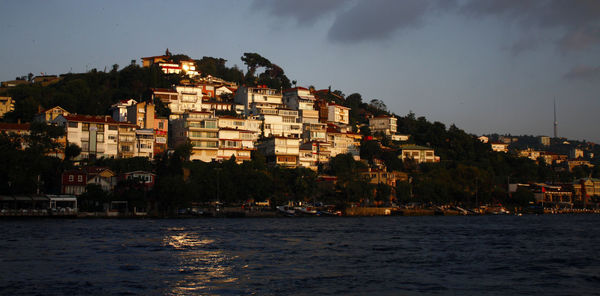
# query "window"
(80, 178)
(112, 127)
(100, 137)
(85, 126)
(71, 178)
(161, 125)
(100, 127)
(73, 124)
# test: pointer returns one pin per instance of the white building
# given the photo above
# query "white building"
(388, 125)
(419, 154)
(97, 136)
(314, 153)
(281, 150)
(343, 142)
(301, 99)
(338, 114)
(254, 99)
(144, 143)
(200, 128)
(280, 123)
(119, 110)
(236, 142)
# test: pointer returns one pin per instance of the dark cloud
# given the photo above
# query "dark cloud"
(579, 20)
(526, 43)
(574, 23)
(305, 12)
(377, 19)
(584, 73)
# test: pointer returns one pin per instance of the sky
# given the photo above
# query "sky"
(487, 66)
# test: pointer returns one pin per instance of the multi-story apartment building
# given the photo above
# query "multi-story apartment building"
(254, 99)
(280, 123)
(388, 125)
(313, 153)
(96, 135)
(281, 151)
(419, 154)
(141, 114)
(249, 124)
(314, 132)
(236, 143)
(144, 143)
(127, 140)
(119, 109)
(161, 135)
(200, 128)
(343, 142)
(338, 114)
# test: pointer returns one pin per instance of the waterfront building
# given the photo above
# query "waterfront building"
(419, 154)
(280, 151)
(18, 129)
(586, 191)
(97, 136)
(147, 179)
(552, 195)
(75, 181)
(201, 130)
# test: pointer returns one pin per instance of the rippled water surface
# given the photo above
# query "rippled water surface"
(503, 255)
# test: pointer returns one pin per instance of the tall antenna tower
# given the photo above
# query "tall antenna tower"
(555, 121)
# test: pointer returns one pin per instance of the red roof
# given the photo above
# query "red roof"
(90, 118)
(14, 126)
(295, 88)
(163, 90)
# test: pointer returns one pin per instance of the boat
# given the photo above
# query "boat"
(306, 210)
(286, 210)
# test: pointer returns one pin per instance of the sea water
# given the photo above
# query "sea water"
(491, 255)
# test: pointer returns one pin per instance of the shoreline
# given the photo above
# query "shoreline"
(236, 213)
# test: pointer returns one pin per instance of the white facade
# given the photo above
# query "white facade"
(97, 136)
(387, 125)
(281, 151)
(419, 154)
(201, 129)
(144, 145)
(338, 114)
(235, 142)
(342, 143)
(254, 99)
(119, 110)
(281, 123)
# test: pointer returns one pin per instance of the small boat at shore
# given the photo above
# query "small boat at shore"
(308, 210)
(286, 210)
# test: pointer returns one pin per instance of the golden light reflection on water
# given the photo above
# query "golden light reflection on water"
(201, 265)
